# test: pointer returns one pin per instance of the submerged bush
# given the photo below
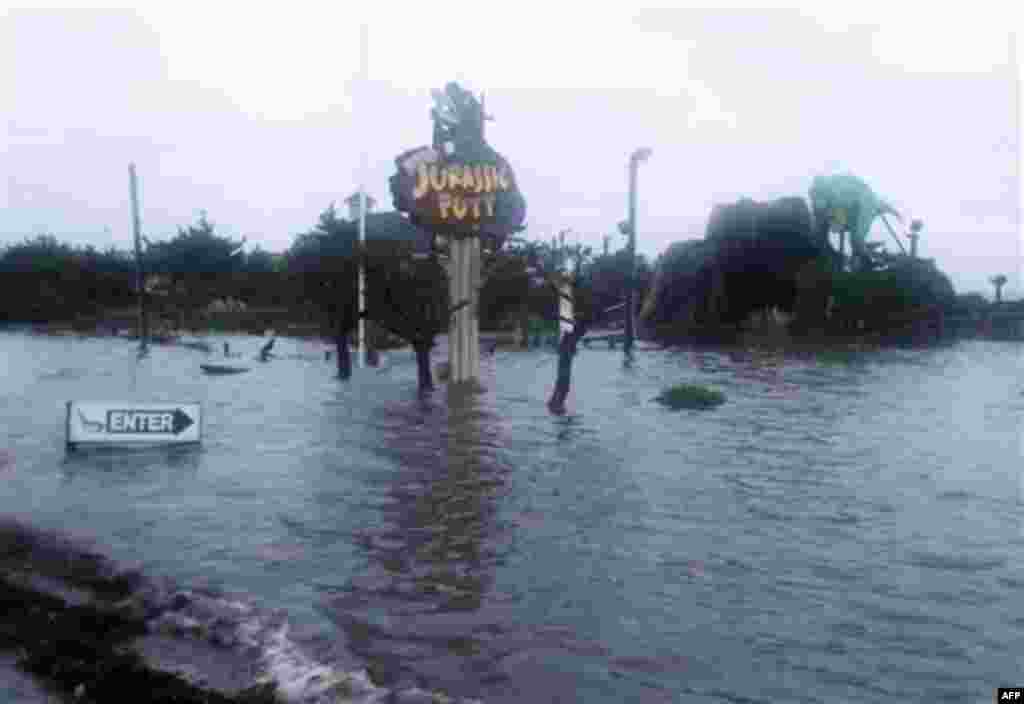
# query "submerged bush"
(690, 396)
(841, 356)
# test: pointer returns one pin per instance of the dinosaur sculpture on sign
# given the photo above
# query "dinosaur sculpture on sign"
(846, 204)
(459, 122)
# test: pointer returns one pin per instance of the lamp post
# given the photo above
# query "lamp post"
(140, 273)
(362, 94)
(635, 159)
(915, 233)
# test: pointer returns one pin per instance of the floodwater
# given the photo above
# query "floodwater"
(836, 532)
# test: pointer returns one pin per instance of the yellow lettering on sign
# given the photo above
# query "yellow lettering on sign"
(444, 202)
(437, 178)
(468, 180)
(454, 177)
(422, 182)
(459, 207)
(456, 186)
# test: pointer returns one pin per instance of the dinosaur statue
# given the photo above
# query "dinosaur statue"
(846, 204)
(458, 148)
(459, 121)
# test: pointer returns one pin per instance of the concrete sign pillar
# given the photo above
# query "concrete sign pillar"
(473, 314)
(460, 189)
(464, 327)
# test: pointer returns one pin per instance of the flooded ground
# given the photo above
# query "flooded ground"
(835, 532)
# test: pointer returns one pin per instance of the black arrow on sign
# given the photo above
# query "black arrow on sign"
(180, 421)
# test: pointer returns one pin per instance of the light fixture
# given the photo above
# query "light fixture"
(641, 154)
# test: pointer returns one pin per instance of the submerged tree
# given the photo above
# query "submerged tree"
(408, 297)
(406, 294)
(569, 276)
(322, 265)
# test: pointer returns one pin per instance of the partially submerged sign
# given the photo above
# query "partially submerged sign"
(459, 185)
(132, 423)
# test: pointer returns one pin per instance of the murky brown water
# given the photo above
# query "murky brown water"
(834, 532)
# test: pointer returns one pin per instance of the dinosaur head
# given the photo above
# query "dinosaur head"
(886, 209)
(819, 193)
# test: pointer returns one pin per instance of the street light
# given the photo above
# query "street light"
(640, 155)
(916, 226)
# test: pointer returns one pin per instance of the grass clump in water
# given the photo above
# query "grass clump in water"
(690, 396)
(841, 355)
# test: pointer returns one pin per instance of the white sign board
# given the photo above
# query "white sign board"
(133, 423)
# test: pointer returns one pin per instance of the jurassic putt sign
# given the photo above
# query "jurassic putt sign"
(460, 185)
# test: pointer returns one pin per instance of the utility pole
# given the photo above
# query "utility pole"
(1017, 107)
(140, 277)
(361, 304)
(634, 163)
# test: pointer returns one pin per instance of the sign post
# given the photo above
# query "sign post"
(132, 423)
(462, 190)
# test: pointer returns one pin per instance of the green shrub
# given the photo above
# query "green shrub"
(690, 396)
(906, 284)
(840, 355)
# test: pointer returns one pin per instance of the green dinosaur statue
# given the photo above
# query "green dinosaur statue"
(846, 204)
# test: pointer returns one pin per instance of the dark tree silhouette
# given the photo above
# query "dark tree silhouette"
(323, 268)
(406, 295)
(197, 264)
(44, 280)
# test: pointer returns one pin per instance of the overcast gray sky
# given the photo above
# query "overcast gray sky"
(256, 116)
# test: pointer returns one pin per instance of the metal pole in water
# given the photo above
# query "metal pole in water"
(1017, 107)
(634, 163)
(139, 273)
(628, 346)
(361, 332)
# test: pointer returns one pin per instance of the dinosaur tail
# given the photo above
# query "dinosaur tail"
(892, 231)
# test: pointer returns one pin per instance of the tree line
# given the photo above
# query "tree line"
(46, 280)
